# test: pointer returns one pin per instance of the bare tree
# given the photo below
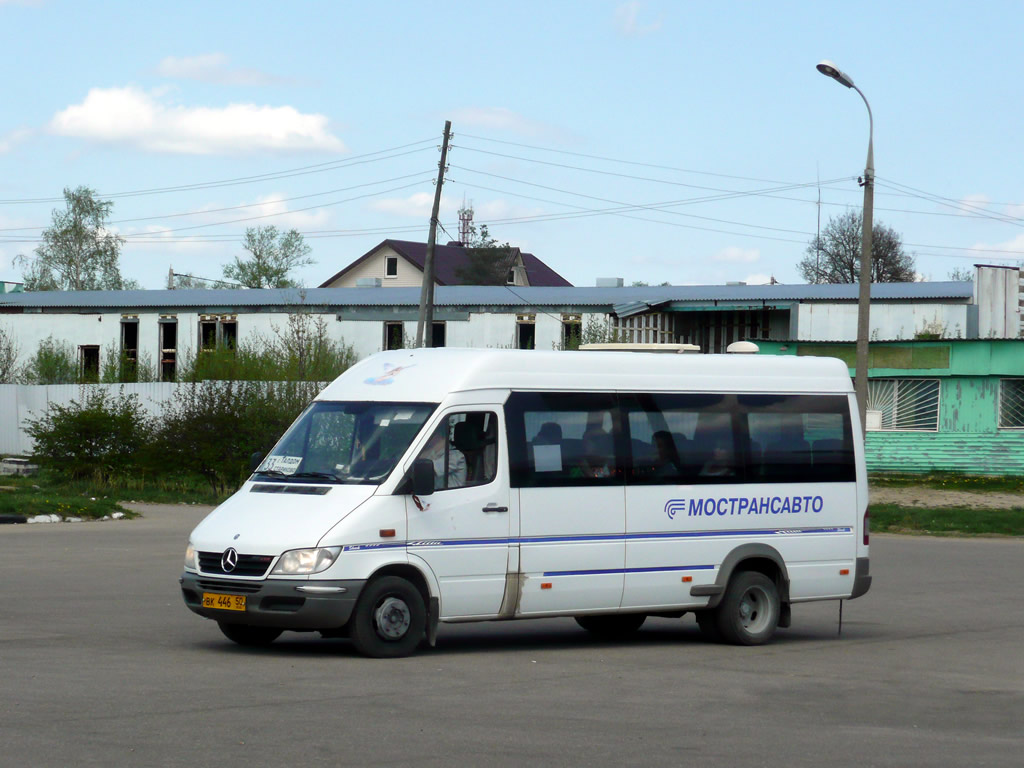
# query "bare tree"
(834, 256)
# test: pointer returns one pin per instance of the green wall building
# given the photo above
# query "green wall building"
(954, 405)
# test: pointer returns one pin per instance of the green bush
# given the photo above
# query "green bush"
(103, 436)
(212, 428)
(301, 351)
(53, 363)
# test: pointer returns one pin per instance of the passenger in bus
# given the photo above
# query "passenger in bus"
(597, 459)
(720, 463)
(435, 451)
(668, 457)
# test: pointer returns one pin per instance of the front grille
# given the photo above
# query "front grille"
(248, 565)
(245, 587)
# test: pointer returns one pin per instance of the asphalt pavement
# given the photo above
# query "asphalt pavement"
(102, 665)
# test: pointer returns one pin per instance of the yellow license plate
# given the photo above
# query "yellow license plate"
(224, 602)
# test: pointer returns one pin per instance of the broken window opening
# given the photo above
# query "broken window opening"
(89, 356)
(168, 349)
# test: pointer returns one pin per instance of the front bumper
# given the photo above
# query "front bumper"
(280, 603)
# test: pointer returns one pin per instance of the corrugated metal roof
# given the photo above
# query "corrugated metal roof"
(475, 295)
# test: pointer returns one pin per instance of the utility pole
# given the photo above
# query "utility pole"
(426, 321)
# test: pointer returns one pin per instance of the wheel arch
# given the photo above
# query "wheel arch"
(762, 558)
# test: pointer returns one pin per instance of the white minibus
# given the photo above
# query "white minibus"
(448, 485)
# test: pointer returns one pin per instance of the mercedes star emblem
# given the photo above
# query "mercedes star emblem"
(229, 560)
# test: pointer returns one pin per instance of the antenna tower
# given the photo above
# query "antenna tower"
(465, 222)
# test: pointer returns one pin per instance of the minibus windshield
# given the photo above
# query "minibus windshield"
(345, 442)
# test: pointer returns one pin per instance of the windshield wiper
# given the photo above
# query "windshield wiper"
(272, 472)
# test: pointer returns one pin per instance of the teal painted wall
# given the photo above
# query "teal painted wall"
(968, 440)
(971, 453)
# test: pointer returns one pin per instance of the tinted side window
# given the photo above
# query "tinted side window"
(684, 439)
(558, 439)
(799, 438)
(697, 439)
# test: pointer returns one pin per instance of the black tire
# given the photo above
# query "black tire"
(389, 620)
(244, 634)
(749, 611)
(708, 623)
(613, 626)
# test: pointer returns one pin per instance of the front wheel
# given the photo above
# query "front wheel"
(243, 634)
(389, 620)
(749, 611)
(613, 626)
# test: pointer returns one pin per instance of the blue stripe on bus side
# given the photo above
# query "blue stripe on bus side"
(592, 538)
(658, 569)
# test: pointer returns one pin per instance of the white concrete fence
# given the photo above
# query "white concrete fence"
(19, 402)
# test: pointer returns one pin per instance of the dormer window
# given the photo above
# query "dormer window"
(511, 279)
(391, 266)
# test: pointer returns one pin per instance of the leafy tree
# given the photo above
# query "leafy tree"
(487, 262)
(834, 256)
(962, 274)
(273, 256)
(8, 357)
(77, 253)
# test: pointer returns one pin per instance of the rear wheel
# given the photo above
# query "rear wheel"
(244, 634)
(389, 620)
(749, 611)
(615, 626)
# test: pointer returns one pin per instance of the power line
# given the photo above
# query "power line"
(659, 207)
(239, 207)
(288, 173)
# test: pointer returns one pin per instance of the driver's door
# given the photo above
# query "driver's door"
(462, 530)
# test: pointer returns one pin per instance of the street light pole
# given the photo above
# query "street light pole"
(860, 382)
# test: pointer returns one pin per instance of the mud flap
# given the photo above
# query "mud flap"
(785, 615)
(433, 614)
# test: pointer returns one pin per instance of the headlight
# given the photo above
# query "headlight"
(190, 557)
(300, 561)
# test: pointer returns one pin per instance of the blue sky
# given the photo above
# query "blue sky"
(557, 108)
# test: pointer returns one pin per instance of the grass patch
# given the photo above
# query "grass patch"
(49, 493)
(950, 481)
(892, 518)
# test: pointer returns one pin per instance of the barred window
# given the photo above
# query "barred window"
(1011, 404)
(903, 405)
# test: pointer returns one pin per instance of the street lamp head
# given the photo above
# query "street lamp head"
(826, 67)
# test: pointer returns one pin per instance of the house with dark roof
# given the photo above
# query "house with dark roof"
(399, 264)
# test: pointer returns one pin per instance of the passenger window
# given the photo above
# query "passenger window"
(683, 439)
(800, 438)
(560, 439)
(464, 450)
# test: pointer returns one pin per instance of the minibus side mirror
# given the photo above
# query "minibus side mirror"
(423, 477)
(254, 461)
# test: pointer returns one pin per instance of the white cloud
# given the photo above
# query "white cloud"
(757, 279)
(132, 116)
(627, 23)
(981, 252)
(11, 138)
(502, 119)
(973, 204)
(1017, 211)
(213, 68)
(416, 205)
(736, 254)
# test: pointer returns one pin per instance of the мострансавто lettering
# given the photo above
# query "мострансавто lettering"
(744, 505)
